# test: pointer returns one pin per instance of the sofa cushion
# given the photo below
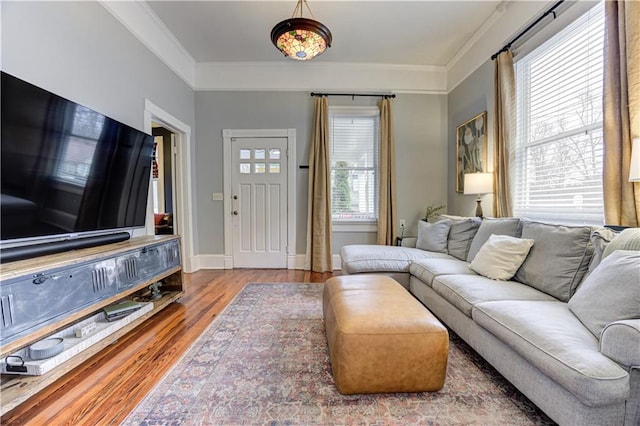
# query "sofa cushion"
(428, 269)
(558, 260)
(464, 291)
(628, 239)
(552, 339)
(461, 235)
(610, 293)
(433, 236)
(600, 238)
(358, 258)
(489, 226)
(501, 256)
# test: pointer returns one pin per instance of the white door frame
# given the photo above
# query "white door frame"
(182, 188)
(290, 134)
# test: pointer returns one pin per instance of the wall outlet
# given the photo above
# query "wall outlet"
(402, 223)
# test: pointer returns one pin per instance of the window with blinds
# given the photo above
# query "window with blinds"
(354, 139)
(80, 146)
(558, 153)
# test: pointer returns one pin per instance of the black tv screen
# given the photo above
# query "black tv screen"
(67, 169)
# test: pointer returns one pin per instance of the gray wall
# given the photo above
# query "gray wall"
(420, 128)
(216, 111)
(78, 50)
(471, 97)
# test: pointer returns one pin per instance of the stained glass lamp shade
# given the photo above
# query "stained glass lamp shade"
(301, 38)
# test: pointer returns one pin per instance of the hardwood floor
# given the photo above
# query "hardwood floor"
(103, 390)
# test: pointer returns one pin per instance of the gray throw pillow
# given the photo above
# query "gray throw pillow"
(433, 236)
(559, 259)
(610, 293)
(628, 239)
(600, 238)
(461, 235)
(501, 226)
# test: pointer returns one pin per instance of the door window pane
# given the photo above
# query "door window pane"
(259, 154)
(245, 154)
(274, 154)
(274, 168)
(245, 168)
(260, 167)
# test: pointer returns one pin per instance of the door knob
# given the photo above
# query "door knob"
(235, 197)
(235, 212)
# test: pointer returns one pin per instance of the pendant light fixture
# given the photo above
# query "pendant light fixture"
(301, 38)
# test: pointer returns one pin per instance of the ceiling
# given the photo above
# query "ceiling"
(383, 32)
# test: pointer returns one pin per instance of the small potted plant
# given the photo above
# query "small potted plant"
(432, 212)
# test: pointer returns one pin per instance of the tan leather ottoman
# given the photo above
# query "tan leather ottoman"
(380, 338)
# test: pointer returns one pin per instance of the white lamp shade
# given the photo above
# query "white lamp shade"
(478, 183)
(634, 167)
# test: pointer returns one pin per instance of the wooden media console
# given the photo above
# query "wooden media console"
(48, 294)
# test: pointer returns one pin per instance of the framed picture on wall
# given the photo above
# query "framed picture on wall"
(471, 148)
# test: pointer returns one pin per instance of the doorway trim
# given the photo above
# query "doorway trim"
(227, 136)
(182, 132)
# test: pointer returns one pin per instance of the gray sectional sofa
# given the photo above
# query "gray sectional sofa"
(564, 329)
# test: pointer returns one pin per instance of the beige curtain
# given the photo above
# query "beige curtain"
(503, 132)
(621, 111)
(319, 252)
(387, 227)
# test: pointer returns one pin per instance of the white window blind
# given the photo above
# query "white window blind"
(558, 149)
(354, 163)
(80, 146)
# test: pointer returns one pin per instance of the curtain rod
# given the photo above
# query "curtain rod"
(353, 95)
(507, 46)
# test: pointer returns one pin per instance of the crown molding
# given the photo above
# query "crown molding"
(477, 36)
(287, 76)
(146, 26)
(507, 20)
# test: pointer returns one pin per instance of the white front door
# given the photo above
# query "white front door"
(259, 206)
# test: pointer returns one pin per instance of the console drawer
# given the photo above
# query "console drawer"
(140, 265)
(34, 301)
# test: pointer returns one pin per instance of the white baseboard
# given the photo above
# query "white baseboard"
(213, 261)
(295, 261)
(220, 261)
(298, 262)
(190, 264)
(336, 262)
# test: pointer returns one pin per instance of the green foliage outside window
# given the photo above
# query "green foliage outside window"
(341, 191)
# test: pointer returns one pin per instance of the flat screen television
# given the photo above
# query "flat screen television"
(67, 170)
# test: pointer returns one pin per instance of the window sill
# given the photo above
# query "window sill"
(347, 226)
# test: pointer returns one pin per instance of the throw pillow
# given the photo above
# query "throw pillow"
(157, 218)
(502, 226)
(628, 239)
(601, 299)
(501, 256)
(433, 236)
(558, 261)
(600, 238)
(461, 234)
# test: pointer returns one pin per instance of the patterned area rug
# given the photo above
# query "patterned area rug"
(264, 360)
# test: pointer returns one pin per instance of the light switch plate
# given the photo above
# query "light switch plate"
(217, 196)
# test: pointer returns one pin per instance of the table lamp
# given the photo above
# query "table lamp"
(478, 183)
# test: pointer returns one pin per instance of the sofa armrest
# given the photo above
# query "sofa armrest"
(620, 341)
(409, 242)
